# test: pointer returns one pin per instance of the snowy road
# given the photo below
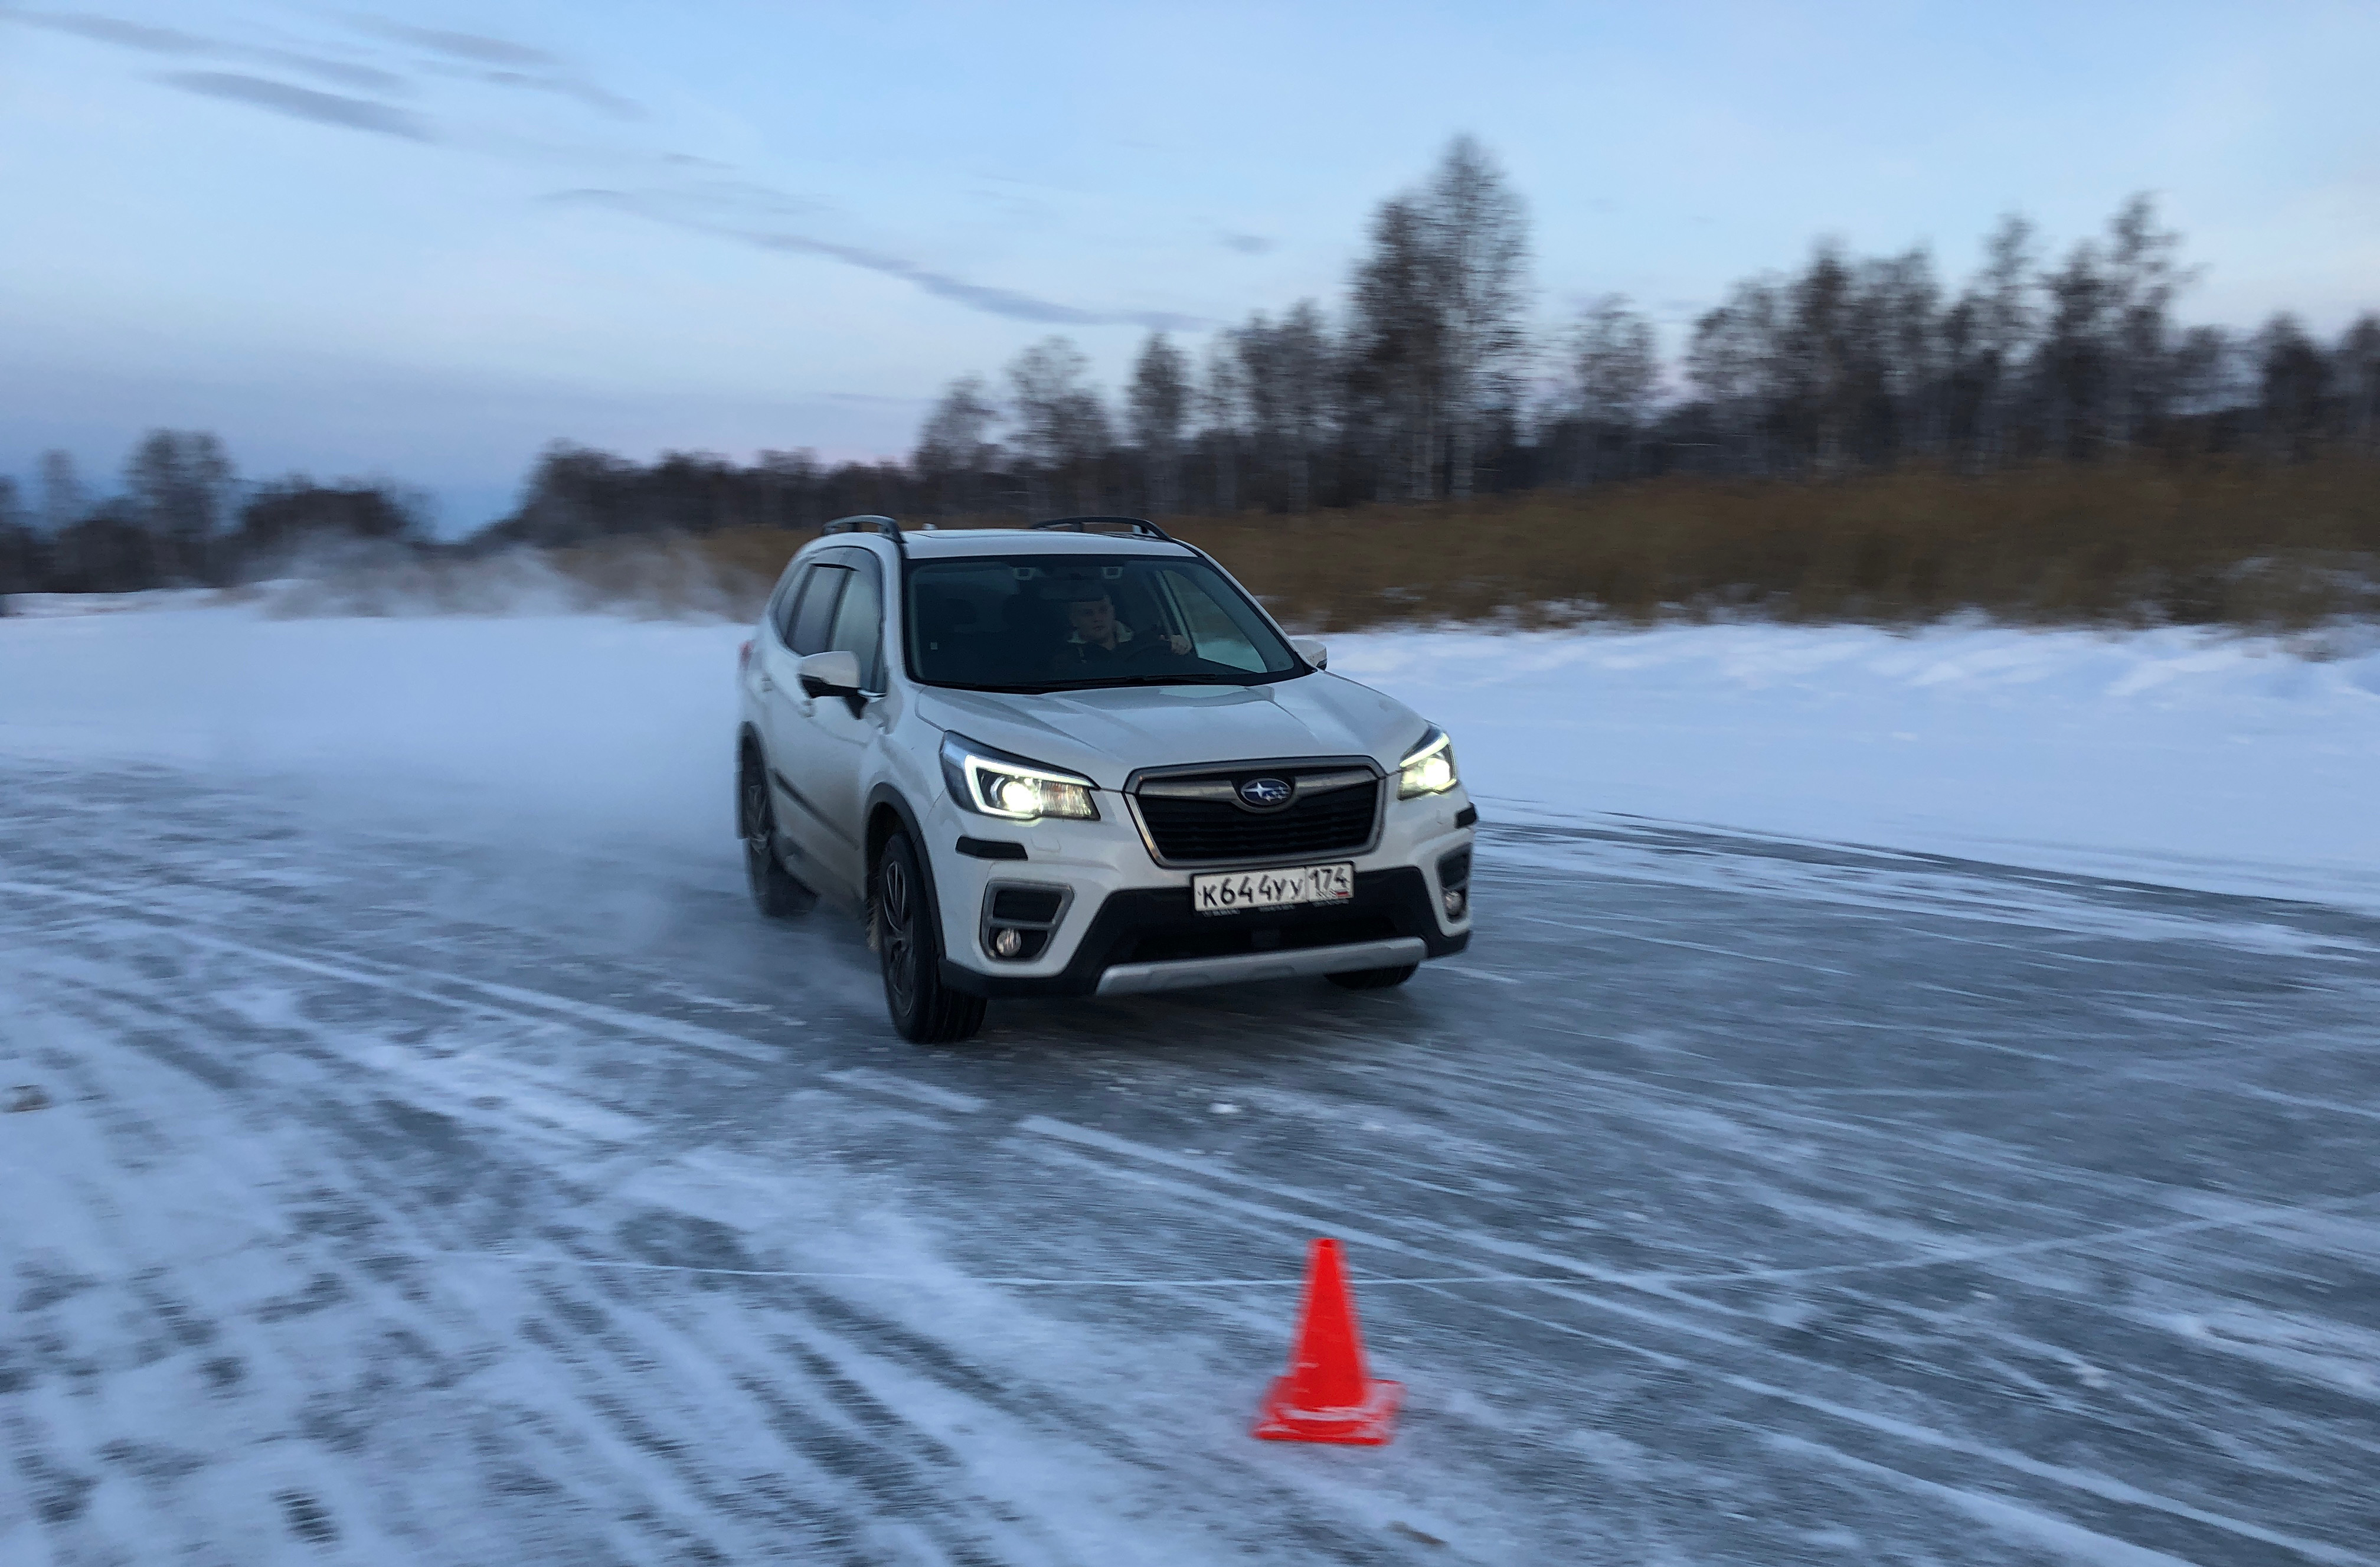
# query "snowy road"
(401, 1197)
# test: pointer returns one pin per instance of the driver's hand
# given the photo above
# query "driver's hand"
(1180, 645)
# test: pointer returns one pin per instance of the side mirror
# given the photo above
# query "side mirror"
(1311, 651)
(829, 674)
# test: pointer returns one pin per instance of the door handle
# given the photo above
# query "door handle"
(766, 685)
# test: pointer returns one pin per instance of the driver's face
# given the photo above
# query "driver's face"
(1093, 619)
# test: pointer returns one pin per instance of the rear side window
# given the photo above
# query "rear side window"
(859, 627)
(814, 615)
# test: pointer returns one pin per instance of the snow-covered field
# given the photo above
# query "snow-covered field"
(425, 1155)
(2193, 757)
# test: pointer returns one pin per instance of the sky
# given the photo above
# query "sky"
(424, 241)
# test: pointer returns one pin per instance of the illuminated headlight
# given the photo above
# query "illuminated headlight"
(1429, 770)
(999, 785)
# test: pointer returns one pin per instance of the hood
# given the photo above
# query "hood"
(1108, 734)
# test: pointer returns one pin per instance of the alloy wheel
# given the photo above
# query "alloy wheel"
(898, 933)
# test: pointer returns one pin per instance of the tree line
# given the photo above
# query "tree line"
(1432, 377)
(183, 520)
(1431, 380)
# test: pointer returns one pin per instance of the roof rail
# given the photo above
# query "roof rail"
(1140, 528)
(870, 524)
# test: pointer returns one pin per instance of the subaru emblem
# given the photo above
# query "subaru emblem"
(1265, 792)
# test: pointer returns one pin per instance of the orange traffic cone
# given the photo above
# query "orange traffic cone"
(1326, 1397)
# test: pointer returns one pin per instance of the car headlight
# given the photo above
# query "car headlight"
(996, 784)
(1429, 770)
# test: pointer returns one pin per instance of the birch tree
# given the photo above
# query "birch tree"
(954, 449)
(1157, 407)
(1479, 248)
(1611, 373)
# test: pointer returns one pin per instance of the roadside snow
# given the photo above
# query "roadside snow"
(2183, 757)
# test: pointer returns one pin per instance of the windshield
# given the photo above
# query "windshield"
(1052, 623)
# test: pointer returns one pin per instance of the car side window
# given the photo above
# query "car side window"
(814, 615)
(781, 608)
(859, 626)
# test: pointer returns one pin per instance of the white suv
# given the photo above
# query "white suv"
(1080, 758)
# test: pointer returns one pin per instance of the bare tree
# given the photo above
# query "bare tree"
(2205, 374)
(952, 449)
(21, 563)
(2142, 280)
(1301, 366)
(1061, 425)
(1478, 240)
(180, 484)
(1159, 406)
(1733, 361)
(63, 500)
(1222, 400)
(1397, 353)
(2071, 360)
(2294, 386)
(2358, 374)
(1285, 371)
(2000, 306)
(1612, 377)
(1905, 303)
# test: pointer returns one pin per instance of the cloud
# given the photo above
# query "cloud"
(475, 47)
(500, 62)
(371, 79)
(303, 103)
(123, 34)
(1012, 303)
(584, 92)
(1248, 244)
(495, 62)
(169, 41)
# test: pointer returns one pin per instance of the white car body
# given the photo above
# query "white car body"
(845, 771)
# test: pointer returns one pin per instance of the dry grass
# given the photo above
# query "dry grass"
(2252, 545)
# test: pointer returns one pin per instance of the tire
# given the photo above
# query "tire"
(1374, 979)
(901, 928)
(776, 892)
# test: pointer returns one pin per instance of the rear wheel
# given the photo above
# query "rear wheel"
(926, 1011)
(1375, 978)
(775, 892)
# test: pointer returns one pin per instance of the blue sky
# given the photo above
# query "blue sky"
(426, 239)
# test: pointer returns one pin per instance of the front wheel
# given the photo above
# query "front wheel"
(926, 1011)
(1375, 978)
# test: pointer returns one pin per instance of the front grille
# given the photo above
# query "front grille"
(1191, 832)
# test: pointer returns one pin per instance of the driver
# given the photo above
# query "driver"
(1095, 637)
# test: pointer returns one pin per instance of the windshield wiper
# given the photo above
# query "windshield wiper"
(1161, 680)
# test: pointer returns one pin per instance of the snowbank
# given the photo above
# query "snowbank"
(2185, 757)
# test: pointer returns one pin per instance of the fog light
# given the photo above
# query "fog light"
(1007, 942)
(1455, 898)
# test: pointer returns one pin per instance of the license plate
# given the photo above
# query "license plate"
(1230, 891)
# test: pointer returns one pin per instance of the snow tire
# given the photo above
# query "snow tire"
(776, 892)
(926, 1011)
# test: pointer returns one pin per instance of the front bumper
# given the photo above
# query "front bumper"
(1151, 939)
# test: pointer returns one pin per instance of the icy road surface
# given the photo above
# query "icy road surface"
(381, 1195)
